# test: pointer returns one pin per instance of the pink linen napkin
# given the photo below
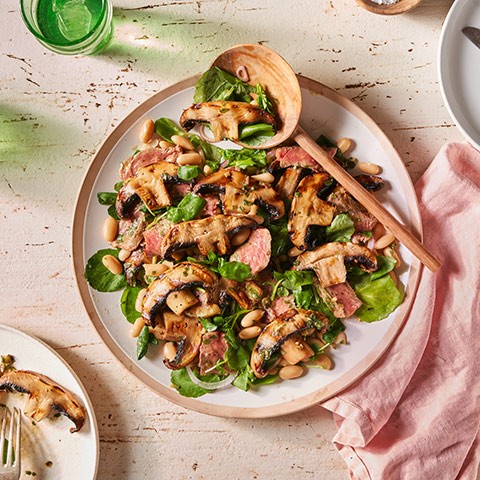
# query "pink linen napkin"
(416, 414)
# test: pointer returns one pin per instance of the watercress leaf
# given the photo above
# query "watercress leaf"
(237, 358)
(112, 211)
(152, 339)
(293, 280)
(245, 158)
(216, 84)
(184, 386)
(268, 380)
(118, 186)
(335, 327)
(384, 265)
(107, 198)
(166, 129)
(99, 277)
(187, 209)
(188, 172)
(142, 342)
(262, 99)
(281, 243)
(341, 229)
(207, 325)
(303, 298)
(237, 271)
(241, 381)
(127, 303)
(213, 154)
(379, 297)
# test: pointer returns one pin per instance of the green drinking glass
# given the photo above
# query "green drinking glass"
(70, 27)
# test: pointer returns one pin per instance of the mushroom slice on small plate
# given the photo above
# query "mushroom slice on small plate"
(225, 117)
(180, 277)
(308, 210)
(292, 322)
(44, 396)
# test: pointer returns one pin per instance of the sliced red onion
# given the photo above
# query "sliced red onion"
(226, 382)
(242, 73)
(202, 133)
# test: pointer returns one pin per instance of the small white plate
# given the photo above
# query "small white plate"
(459, 69)
(324, 111)
(49, 450)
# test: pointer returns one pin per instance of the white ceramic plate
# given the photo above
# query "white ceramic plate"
(459, 69)
(324, 112)
(48, 448)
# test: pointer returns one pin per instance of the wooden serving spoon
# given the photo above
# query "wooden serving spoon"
(266, 67)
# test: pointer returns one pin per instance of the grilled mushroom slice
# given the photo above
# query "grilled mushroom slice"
(180, 277)
(149, 185)
(241, 194)
(225, 117)
(268, 344)
(44, 396)
(308, 210)
(352, 254)
(211, 234)
(186, 332)
(372, 183)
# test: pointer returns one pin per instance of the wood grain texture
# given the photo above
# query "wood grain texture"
(55, 112)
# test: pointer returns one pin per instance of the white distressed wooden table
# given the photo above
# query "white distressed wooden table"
(56, 110)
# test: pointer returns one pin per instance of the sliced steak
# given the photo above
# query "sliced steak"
(212, 207)
(278, 306)
(341, 299)
(130, 231)
(345, 203)
(298, 157)
(212, 349)
(256, 251)
(154, 236)
(148, 157)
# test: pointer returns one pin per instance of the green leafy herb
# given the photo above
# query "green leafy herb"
(237, 358)
(142, 342)
(237, 271)
(335, 327)
(107, 198)
(187, 209)
(184, 385)
(99, 277)
(118, 186)
(256, 134)
(341, 229)
(127, 303)
(213, 154)
(188, 172)
(281, 243)
(166, 129)
(207, 324)
(379, 297)
(246, 158)
(325, 142)
(113, 212)
(262, 99)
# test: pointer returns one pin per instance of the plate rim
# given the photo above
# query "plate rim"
(88, 401)
(441, 65)
(172, 395)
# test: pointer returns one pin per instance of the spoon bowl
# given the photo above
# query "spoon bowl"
(266, 67)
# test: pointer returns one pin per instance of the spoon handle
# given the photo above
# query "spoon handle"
(367, 200)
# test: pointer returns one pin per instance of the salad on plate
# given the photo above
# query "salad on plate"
(243, 263)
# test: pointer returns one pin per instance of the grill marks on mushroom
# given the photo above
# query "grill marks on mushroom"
(241, 194)
(276, 333)
(225, 117)
(180, 277)
(44, 396)
(149, 185)
(211, 234)
(308, 210)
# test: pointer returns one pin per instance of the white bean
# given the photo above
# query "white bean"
(291, 371)
(112, 264)
(110, 229)
(344, 144)
(240, 237)
(183, 142)
(252, 317)
(341, 338)
(146, 133)
(123, 254)
(370, 168)
(137, 327)
(139, 300)
(191, 158)
(249, 332)
(207, 170)
(392, 252)
(324, 361)
(170, 351)
(384, 241)
(164, 144)
(264, 177)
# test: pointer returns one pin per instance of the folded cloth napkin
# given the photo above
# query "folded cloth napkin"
(416, 414)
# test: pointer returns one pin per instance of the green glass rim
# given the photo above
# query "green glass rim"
(42, 38)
